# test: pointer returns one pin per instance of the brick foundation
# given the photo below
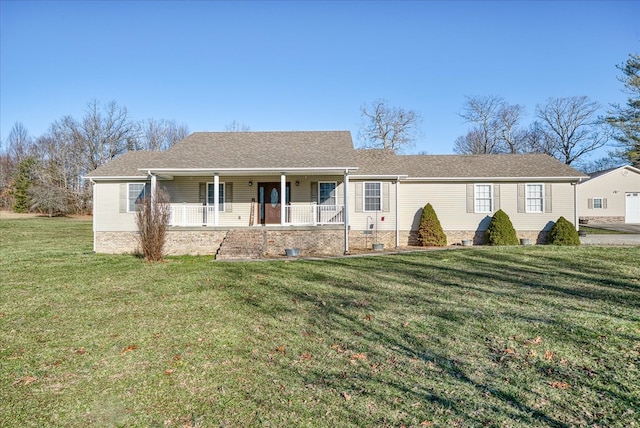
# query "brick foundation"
(312, 241)
(179, 242)
(601, 220)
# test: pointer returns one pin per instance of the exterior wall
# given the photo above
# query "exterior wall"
(449, 200)
(106, 209)
(613, 186)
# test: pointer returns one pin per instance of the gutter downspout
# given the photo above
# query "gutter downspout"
(346, 210)
(575, 206)
(397, 212)
(93, 211)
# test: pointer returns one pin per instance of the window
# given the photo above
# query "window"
(483, 198)
(534, 198)
(597, 203)
(327, 191)
(372, 196)
(210, 195)
(136, 193)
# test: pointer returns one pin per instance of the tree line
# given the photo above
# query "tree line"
(45, 174)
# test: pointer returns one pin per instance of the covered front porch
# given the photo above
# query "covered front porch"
(239, 199)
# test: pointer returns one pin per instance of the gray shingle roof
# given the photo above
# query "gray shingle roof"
(320, 149)
(128, 164)
(325, 149)
(374, 162)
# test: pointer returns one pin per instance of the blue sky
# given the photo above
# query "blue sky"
(306, 65)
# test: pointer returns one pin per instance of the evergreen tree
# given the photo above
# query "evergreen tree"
(430, 233)
(22, 182)
(626, 120)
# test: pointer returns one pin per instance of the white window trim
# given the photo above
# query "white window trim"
(129, 210)
(475, 198)
(335, 191)
(601, 207)
(221, 207)
(526, 198)
(364, 196)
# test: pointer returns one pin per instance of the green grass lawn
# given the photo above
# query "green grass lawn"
(505, 337)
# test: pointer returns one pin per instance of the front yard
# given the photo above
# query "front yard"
(522, 336)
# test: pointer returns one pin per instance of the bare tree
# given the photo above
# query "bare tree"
(535, 141)
(471, 144)
(571, 128)
(235, 126)
(161, 134)
(495, 126)
(482, 111)
(385, 127)
(510, 136)
(103, 134)
(19, 143)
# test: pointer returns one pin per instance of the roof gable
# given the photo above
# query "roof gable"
(609, 171)
(254, 150)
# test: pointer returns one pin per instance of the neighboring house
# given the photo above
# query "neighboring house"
(610, 196)
(253, 194)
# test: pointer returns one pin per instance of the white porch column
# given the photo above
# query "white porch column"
(346, 211)
(283, 198)
(154, 189)
(216, 196)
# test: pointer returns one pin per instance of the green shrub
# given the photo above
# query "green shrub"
(563, 232)
(501, 231)
(430, 233)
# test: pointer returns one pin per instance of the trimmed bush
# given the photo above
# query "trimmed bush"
(430, 233)
(500, 230)
(563, 232)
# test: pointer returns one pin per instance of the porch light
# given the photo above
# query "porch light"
(250, 183)
(297, 183)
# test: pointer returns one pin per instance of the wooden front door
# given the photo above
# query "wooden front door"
(270, 199)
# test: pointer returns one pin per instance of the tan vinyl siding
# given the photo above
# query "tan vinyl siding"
(107, 215)
(449, 200)
(358, 219)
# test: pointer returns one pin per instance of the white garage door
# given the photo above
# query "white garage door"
(633, 208)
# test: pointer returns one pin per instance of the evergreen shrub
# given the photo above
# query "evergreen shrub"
(563, 232)
(430, 233)
(500, 230)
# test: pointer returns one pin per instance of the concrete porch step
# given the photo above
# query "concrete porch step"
(242, 244)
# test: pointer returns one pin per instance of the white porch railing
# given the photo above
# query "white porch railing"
(193, 215)
(313, 214)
